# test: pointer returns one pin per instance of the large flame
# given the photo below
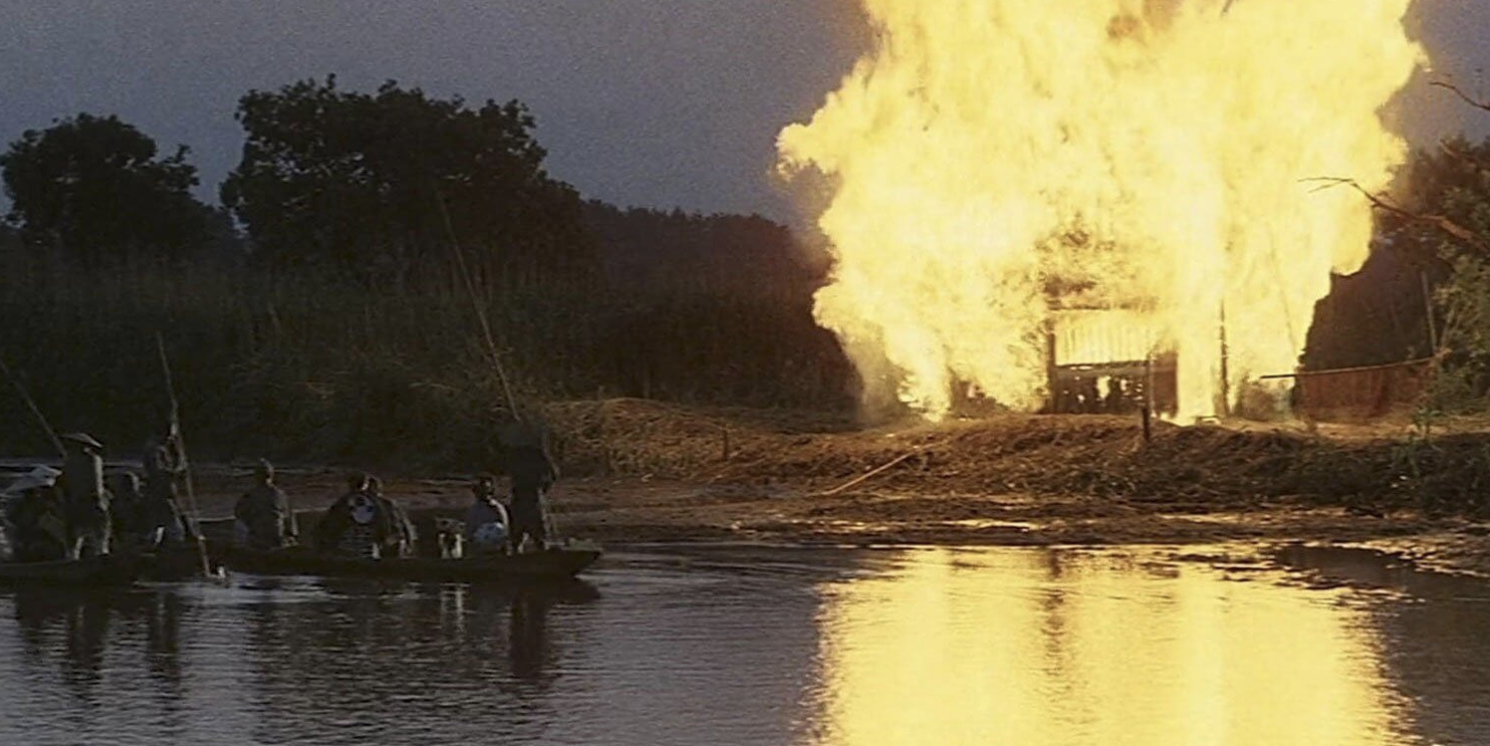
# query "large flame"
(994, 161)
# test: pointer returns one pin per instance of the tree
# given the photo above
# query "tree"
(653, 250)
(1443, 227)
(95, 189)
(1455, 184)
(353, 181)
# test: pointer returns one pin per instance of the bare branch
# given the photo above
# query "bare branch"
(1465, 97)
(1440, 222)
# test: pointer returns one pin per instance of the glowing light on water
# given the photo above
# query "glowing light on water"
(1056, 648)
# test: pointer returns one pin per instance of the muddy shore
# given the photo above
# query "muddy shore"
(645, 473)
(637, 510)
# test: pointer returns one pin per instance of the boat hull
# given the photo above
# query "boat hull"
(99, 572)
(548, 565)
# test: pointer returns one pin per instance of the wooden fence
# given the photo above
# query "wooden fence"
(1358, 394)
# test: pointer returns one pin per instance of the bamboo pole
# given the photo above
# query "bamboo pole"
(550, 524)
(191, 496)
(486, 333)
(35, 410)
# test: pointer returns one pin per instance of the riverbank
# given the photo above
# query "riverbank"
(643, 472)
(647, 472)
(638, 510)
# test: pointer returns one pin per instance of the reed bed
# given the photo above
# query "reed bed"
(316, 367)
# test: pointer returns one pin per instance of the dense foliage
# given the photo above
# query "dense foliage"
(1432, 252)
(345, 329)
(363, 182)
(95, 189)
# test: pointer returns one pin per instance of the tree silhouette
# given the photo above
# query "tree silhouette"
(95, 189)
(355, 181)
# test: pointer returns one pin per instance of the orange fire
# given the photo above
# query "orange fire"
(997, 161)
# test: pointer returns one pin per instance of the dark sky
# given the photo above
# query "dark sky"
(641, 102)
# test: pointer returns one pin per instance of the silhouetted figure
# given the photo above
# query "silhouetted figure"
(85, 499)
(532, 473)
(165, 468)
(39, 522)
(265, 520)
(356, 524)
(487, 523)
(403, 538)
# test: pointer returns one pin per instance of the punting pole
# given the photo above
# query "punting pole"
(550, 526)
(191, 495)
(35, 410)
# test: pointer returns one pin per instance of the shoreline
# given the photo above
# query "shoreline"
(641, 511)
(649, 472)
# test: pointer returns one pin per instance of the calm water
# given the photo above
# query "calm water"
(778, 646)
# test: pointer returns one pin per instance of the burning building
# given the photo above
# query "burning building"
(1178, 136)
(1110, 361)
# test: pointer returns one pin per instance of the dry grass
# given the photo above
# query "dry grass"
(1199, 469)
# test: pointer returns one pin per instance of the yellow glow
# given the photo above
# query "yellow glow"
(1050, 649)
(1129, 154)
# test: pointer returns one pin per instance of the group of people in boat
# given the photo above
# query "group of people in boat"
(366, 523)
(73, 514)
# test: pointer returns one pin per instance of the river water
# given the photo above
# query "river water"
(774, 646)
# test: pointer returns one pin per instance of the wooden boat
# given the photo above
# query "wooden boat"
(113, 570)
(172, 565)
(553, 564)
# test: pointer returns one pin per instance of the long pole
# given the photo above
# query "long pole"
(191, 495)
(486, 333)
(35, 410)
(551, 526)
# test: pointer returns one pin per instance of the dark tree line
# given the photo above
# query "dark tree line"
(340, 179)
(97, 189)
(321, 312)
(654, 248)
(373, 186)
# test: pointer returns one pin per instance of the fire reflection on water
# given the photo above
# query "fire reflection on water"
(1070, 648)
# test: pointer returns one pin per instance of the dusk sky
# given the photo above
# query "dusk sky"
(656, 103)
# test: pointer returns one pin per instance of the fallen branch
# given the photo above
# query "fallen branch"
(871, 474)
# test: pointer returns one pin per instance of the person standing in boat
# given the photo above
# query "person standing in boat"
(85, 501)
(357, 524)
(487, 526)
(526, 462)
(265, 519)
(165, 467)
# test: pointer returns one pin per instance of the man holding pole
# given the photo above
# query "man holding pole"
(525, 460)
(165, 467)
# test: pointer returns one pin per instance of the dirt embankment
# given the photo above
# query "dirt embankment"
(646, 471)
(1205, 467)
